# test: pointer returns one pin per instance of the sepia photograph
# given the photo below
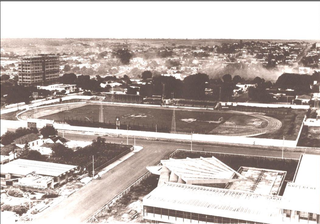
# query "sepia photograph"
(199, 112)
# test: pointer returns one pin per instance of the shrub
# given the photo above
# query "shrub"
(20, 209)
(50, 194)
(6, 208)
(15, 192)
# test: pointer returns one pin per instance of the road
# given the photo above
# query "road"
(167, 145)
(85, 202)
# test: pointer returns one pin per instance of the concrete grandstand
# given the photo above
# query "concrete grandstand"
(249, 195)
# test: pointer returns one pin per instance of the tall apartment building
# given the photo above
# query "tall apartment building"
(40, 69)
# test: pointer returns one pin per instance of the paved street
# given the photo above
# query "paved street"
(166, 145)
(81, 205)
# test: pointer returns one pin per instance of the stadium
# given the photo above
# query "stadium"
(167, 119)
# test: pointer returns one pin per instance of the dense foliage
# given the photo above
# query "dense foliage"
(10, 136)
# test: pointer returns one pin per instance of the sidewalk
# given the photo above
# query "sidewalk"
(116, 163)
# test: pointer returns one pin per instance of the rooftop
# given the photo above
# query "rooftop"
(308, 170)
(216, 202)
(24, 167)
(35, 181)
(303, 192)
(26, 138)
(200, 170)
(261, 181)
(299, 197)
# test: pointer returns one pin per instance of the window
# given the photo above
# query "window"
(202, 218)
(165, 211)
(312, 216)
(186, 215)
(149, 209)
(172, 213)
(179, 214)
(157, 211)
(304, 215)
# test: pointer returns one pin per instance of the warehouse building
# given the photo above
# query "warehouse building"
(21, 169)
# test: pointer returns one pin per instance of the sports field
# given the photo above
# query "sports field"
(187, 121)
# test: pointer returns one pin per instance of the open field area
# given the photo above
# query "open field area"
(160, 119)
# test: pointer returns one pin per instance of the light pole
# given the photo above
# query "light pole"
(191, 141)
(127, 136)
(282, 147)
(92, 166)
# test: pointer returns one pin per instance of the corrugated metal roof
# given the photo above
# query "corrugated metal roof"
(215, 201)
(19, 167)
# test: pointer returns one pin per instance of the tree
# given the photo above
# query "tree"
(66, 68)
(127, 79)
(124, 55)
(194, 86)
(227, 78)
(17, 94)
(34, 155)
(237, 79)
(98, 144)
(69, 78)
(9, 136)
(5, 77)
(146, 74)
(172, 87)
(300, 83)
(60, 150)
(47, 131)
(83, 82)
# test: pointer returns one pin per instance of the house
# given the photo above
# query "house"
(32, 140)
(45, 149)
(9, 152)
(34, 181)
(56, 139)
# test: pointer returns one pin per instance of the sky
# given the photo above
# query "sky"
(161, 19)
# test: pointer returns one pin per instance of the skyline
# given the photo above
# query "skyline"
(162, 20)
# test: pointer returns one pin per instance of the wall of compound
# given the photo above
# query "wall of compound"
(181, 137)
(266, 105)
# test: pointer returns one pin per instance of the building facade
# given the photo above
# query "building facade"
(41, 69)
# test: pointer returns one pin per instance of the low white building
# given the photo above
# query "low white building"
(68, 88)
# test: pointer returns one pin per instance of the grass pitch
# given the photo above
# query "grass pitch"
(187, 121)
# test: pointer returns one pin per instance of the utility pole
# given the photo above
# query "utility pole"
(127, 136)
(191, 141)
(173, 122)
(92, 166)
(282, 147)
